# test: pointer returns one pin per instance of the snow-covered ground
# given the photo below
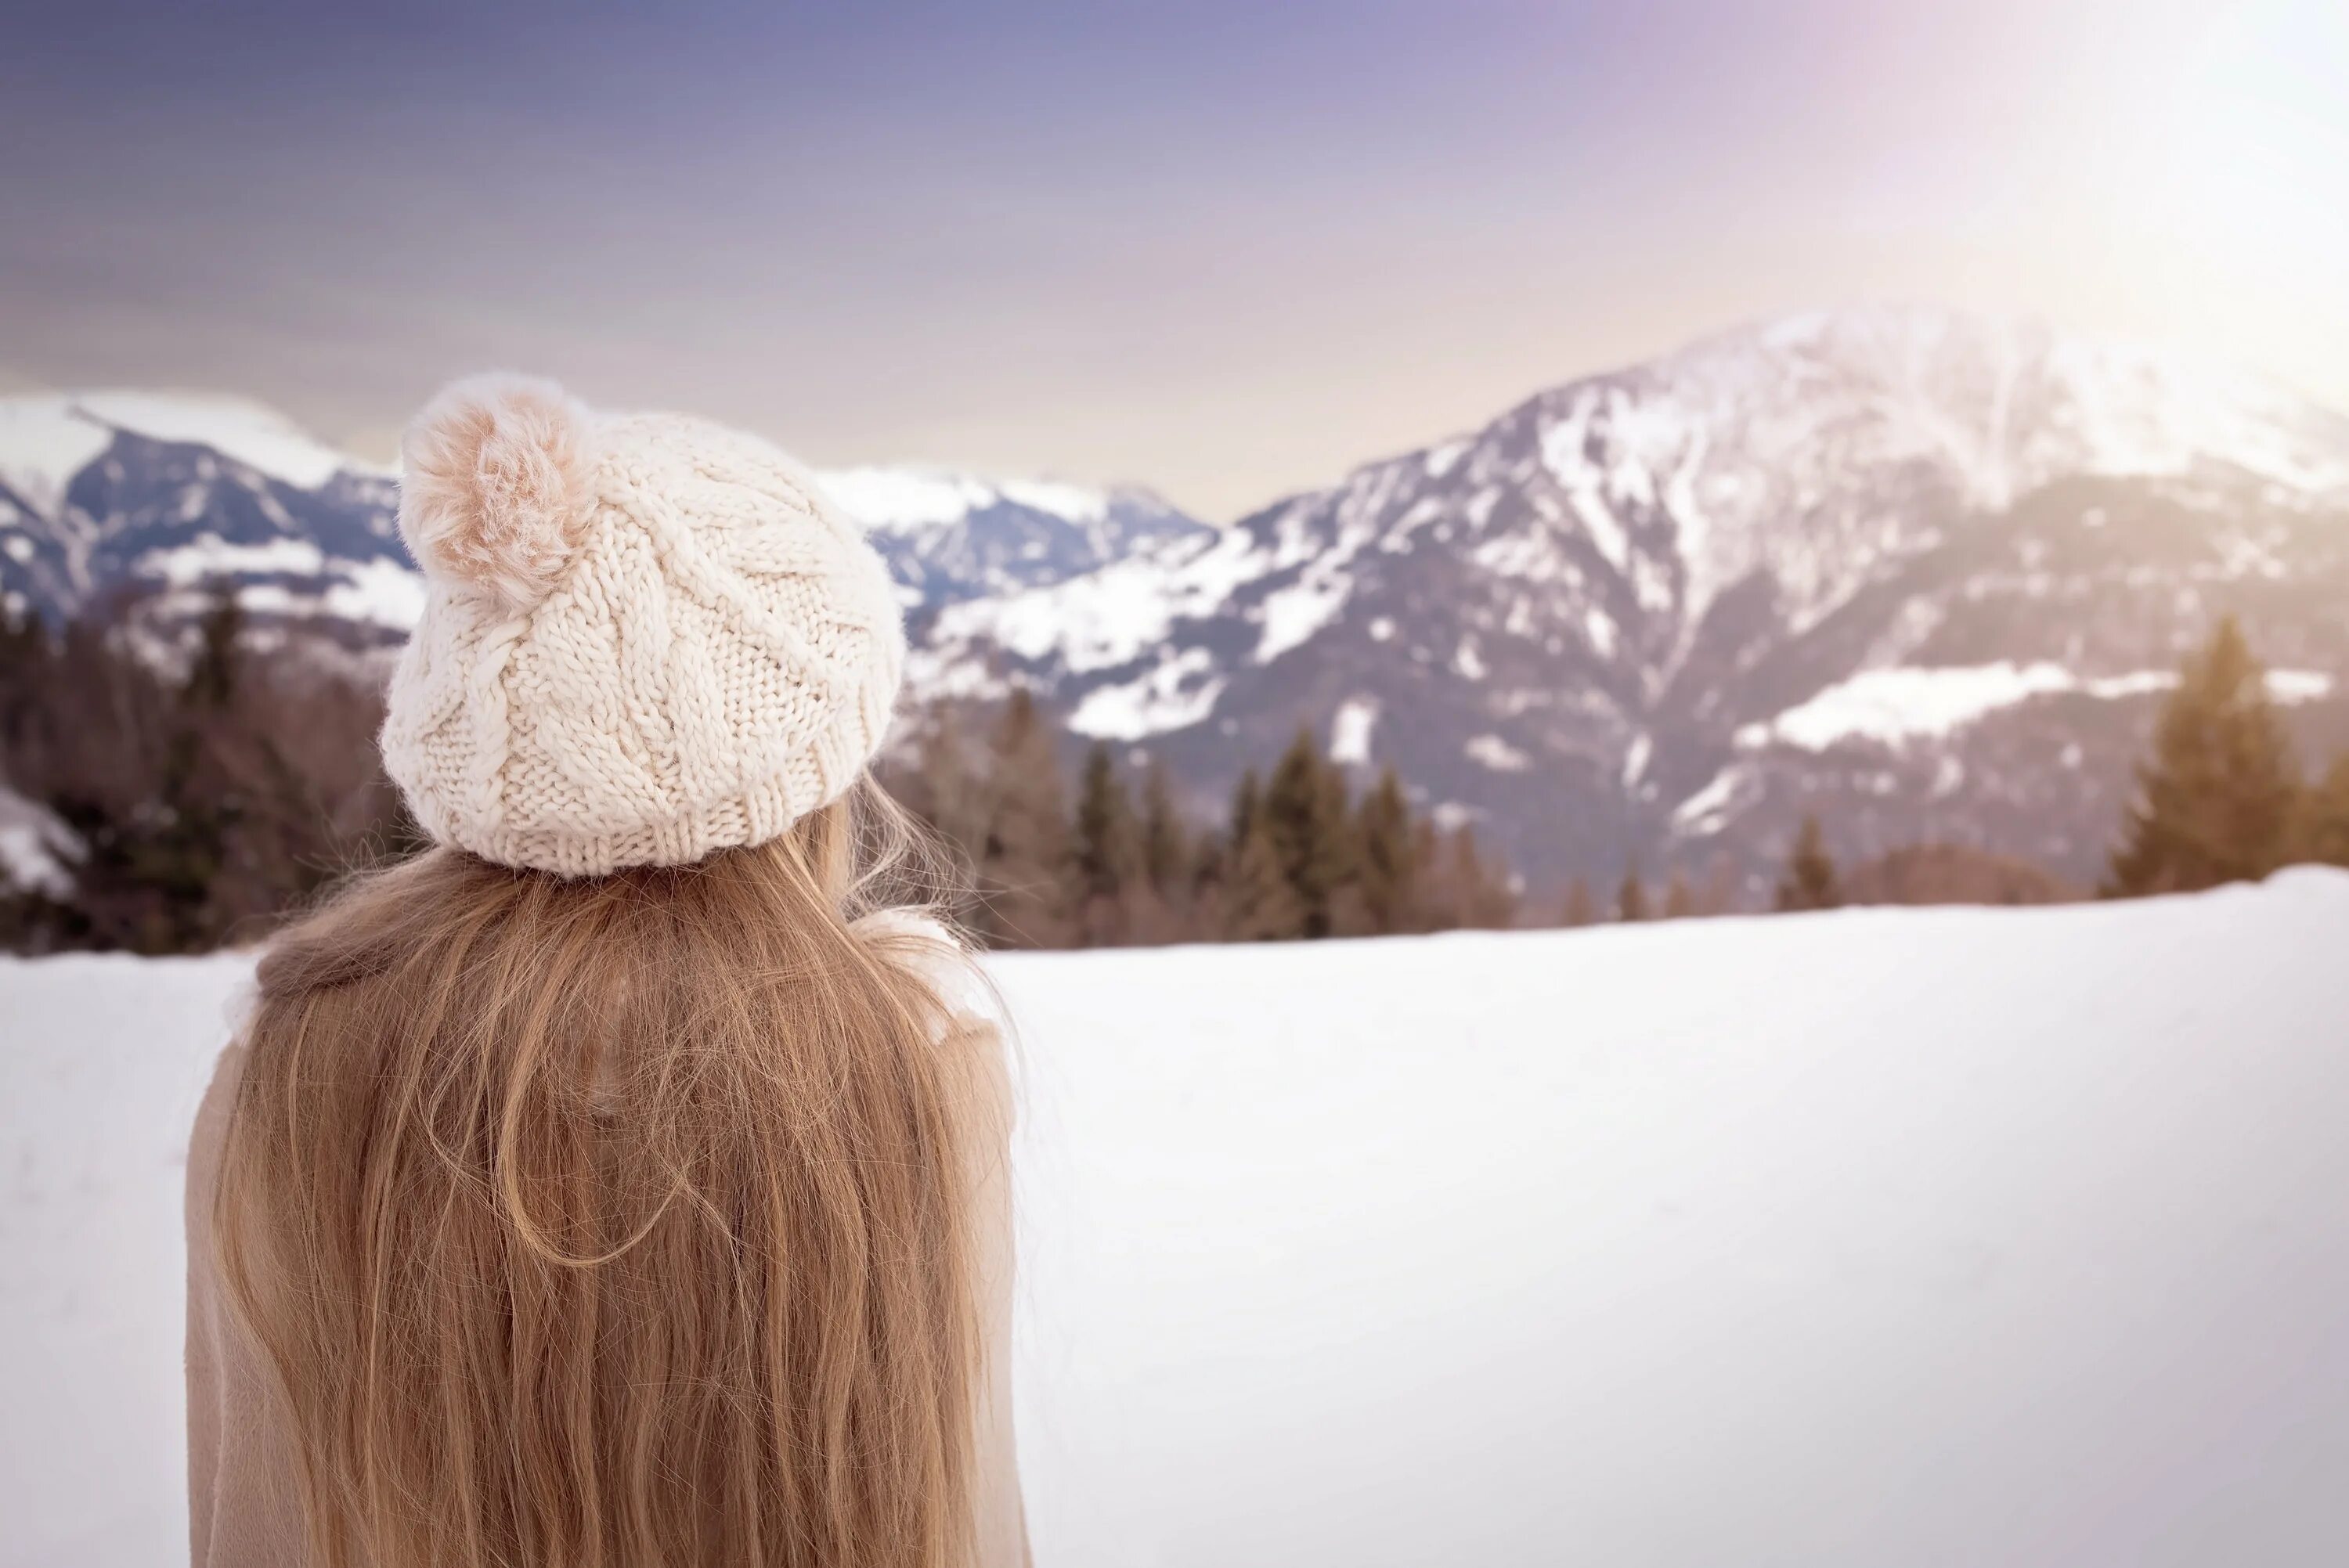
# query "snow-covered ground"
(1888, 1237)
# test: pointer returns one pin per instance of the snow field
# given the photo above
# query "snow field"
(1940, 1236)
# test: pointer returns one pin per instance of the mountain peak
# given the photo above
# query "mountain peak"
(238, 429)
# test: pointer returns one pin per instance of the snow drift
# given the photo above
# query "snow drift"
(1890, 1236)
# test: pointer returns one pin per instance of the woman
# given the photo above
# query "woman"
(619, 1182)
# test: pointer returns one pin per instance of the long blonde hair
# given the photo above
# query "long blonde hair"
(615, 1221)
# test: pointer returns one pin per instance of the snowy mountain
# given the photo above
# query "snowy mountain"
(170, 496)
(1922, 573)
(950, 536)
(175, 495)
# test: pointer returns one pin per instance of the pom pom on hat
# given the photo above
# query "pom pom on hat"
(496, 485)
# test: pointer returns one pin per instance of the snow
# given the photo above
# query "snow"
(43, 443)
(2299, 686)
(1708, 809)
(1349, 731)
(1104, 618)
(1292, 614)
(208, 556)
(1074, 503)
(1636, 758)
(1598, 628)
(245, 432)
(374, 592)
(1902, 703)
(894, 499)
(1179, 691)
(1906, 702)
(903, 498)
(1607, 535)
(380, 591)
(1492, 751)
(38, 850)
(2005, 1236)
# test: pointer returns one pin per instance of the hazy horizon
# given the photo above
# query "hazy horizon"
(1223, 254)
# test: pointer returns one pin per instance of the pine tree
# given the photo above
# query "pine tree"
(1809, 882)
(1679, 900)
(213, 678)
(2325, 830)
(1579, 909)
(1023, 864)
(1105, 852)
(1247, 800)
(1631, 897)
(180, 847)
(1479, 896)
(1165, 847)
(1389, 868)
(947, 789)
(1259, 898)
(1304, 811)
(2217, 800)
(1720, 894)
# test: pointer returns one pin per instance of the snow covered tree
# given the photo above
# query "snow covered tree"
(2218, 798)
(1809, 882)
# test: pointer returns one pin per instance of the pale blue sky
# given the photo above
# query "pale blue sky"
(1226, 248)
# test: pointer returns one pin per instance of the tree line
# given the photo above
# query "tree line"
(204, 802)
(2220, 796)
(207, 797)
(1110, 858)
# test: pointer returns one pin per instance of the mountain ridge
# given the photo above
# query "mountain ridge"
(1921, 571)
(1559, 624)
(176, 495)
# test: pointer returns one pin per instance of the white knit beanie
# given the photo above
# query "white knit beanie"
(644, 637)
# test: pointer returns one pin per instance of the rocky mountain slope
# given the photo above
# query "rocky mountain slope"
(1921, 572)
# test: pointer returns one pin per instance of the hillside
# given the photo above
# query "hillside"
(2003, 1236)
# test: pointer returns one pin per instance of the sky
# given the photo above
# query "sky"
(1228, 249)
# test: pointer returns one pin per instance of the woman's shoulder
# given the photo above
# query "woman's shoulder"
(944, 959)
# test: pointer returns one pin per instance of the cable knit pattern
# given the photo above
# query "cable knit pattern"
(717, 657)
